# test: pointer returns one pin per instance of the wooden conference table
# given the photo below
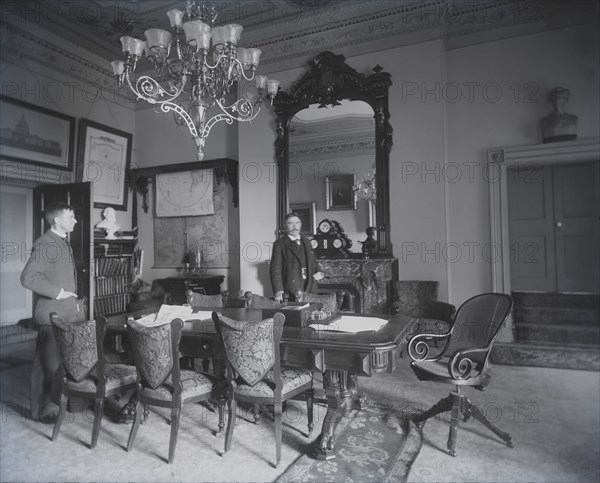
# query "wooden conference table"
(340, 356)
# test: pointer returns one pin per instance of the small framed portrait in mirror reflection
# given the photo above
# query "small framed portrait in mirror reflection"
(339, 192)
(307, 212)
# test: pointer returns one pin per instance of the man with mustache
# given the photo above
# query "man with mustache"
(293, 263)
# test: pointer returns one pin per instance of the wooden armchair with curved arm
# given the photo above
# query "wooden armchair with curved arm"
(464, 360)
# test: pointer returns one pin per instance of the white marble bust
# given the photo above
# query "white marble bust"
(109, 223)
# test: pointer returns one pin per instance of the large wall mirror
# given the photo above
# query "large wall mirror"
(333, 149)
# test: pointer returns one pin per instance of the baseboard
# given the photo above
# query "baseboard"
(547, 355)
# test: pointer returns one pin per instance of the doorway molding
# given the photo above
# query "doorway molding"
(499, 161)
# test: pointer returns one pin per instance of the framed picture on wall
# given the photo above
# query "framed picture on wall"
(307, 212)
(104, 157)
(35, 135)
(339, 192)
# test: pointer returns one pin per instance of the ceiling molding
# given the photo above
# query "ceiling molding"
(49, 52)
(350, 28)
(332, 148)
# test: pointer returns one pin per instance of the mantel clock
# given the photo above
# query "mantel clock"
(330, 239)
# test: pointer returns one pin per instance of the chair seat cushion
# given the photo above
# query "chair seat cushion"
(192, 384)
(117, 375)
(292, 378)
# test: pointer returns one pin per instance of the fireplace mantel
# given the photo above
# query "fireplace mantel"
(366, 282)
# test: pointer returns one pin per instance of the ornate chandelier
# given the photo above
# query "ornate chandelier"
(206, 65)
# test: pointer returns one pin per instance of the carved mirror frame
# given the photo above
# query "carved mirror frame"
(328, 81)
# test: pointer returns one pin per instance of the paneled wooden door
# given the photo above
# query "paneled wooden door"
(79, 196)
(554, 219)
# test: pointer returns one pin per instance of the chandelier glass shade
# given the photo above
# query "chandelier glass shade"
(196, 68)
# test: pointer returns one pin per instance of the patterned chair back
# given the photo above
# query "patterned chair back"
(255, 301)
(155, 352)
(78, 344)
(252, 348)
(200, 300)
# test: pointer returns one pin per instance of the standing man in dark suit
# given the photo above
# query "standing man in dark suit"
(293, 263)
(50, 273)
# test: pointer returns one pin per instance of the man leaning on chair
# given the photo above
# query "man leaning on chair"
(50, 273)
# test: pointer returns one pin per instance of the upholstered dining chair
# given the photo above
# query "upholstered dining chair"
(195, 299)
(86, 375)
(160, 381)
(254, 373)
(419, 299)
(255, 301)
(464, 360)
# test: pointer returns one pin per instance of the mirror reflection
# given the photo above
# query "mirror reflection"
(332, 167)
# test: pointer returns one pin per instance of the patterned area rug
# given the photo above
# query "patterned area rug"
(378, 444)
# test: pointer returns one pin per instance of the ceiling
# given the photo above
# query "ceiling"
(98, 25)
(79, 38)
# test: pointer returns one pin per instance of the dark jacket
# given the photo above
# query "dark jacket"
(49, 269)
(286, 267)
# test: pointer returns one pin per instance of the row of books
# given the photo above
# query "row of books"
(112, 249)
(111, 285)
(113, 266)
(111, 304)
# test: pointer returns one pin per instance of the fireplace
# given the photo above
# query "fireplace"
(364, 283)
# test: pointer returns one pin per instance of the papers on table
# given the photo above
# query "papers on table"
(294, 306)
(149, 320)
(353, 324)
(169, 312)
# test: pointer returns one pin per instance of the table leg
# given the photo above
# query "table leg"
(341, 389)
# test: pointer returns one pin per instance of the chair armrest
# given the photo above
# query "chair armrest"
(443, 311)
(468, 363)
(418, 347)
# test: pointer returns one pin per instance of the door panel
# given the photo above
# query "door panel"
(79, 196)
(554, 218)
(530, 226)
(576, 227)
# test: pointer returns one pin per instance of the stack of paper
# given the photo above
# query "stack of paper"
(353, 324)
(169, 312)
(148, 320)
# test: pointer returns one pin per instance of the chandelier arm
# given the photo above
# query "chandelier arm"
(247, 110)
(168, 106)
(146, 89)
(215, 119)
